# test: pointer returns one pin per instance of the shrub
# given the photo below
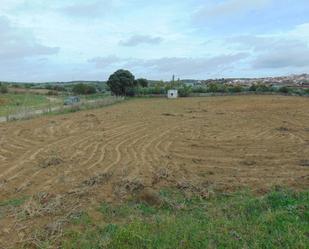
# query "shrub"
(131, 92)
(55, 88)
(235, 89)
(264, 88)
(199, 89)
(142, 82)
(4, 89)
(83, 89)
(52, 93)
(253, 88)
(184, 91)
(284, 89)
(216, 88)
(151, 90)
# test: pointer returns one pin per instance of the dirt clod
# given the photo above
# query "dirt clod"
(150, 197)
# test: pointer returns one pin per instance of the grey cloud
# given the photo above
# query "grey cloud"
(87, 9)
(227, 8)
(170, 65)
(17, 43)
(140, 39)
(274, 53)
(165, 67)
(295, 57)
(185, 65)
(102, 62)
(262, 43)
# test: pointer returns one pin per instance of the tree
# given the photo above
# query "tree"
(184, 91)
(284, 89)
(121, 82)
(83, 89)
(142, 82)
(3, 89)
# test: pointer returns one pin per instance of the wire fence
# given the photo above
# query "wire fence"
(26, 112)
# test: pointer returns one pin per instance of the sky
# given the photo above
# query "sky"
(64, 40)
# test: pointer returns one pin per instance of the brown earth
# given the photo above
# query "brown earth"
(66, 163)
(24, 90)
(3, 100)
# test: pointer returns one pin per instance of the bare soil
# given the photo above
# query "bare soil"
(64, 164)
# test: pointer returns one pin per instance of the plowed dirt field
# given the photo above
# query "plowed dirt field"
(67, 162)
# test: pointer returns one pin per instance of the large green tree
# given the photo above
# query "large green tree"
(121, 82)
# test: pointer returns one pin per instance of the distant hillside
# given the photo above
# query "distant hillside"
(54, 82)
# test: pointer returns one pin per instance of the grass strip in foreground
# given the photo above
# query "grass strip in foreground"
(279, 219)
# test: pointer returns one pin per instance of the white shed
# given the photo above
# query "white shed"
(172, 94)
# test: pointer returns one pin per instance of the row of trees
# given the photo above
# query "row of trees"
(120, 83)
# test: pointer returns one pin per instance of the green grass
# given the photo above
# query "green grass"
(277, 220)
(94, 96)
(13, 102)
(13, 202)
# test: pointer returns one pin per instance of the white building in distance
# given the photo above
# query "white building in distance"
(172, 94)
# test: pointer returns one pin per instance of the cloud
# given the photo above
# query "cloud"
(102, 62)
(189, 66)
(228, 8)
(166, 66)
(271, 52)
(22, 56)
(18, 43)
(289, 54)
(88, 9)
(135, 40)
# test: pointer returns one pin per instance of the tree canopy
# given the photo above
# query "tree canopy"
(121, 82)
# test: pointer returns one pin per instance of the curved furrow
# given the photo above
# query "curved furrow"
(29, 156)
(17, 141)
(20, 136)
(6, 153)
(11, 145)
(149, 154)
(117, 149)
(136, 147)
(17, 164)
(48, 184)
(109, 142)
(146, 157)
(81, 144)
